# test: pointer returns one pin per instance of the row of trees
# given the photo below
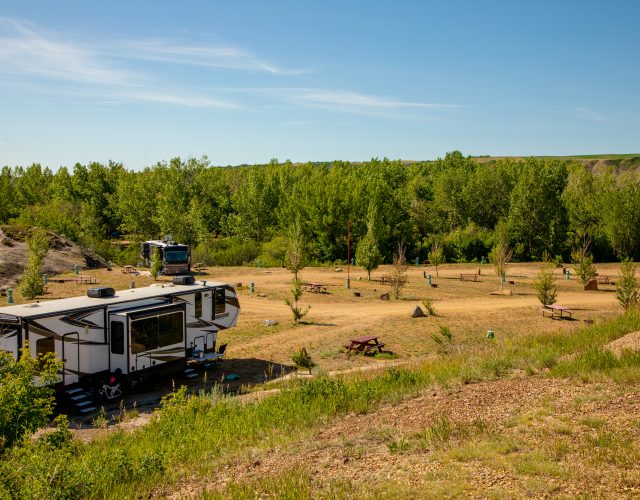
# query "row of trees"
(455, 204)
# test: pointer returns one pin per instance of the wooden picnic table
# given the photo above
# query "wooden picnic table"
(315, 288)
(557, 311)
(604, 279)
(128, 269)
(364, 344)
(469, 277)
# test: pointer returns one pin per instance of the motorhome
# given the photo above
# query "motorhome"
(175, 257)
(136, 333)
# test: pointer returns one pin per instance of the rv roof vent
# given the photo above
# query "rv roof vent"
(184, 280)
(101, 292)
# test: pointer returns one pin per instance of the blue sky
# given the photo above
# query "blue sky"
(243, 82)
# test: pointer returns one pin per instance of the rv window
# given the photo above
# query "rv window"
(219, 301)
(170, 329)
(176, 256)
(45, 346)
(144, 334)
(198, 305)
(117, 337)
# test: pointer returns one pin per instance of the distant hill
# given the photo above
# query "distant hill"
(618, 161)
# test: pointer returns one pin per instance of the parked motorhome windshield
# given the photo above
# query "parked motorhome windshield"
(176, 256)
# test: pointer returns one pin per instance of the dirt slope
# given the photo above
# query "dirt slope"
(63, 255)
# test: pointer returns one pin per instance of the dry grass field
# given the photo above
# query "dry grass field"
(468, 308)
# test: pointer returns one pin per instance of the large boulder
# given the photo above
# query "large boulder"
(417, 312)
(592, 284)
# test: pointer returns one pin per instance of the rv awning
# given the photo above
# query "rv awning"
(147, 312)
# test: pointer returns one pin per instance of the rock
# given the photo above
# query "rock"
(338, 269)
(417, 312)
(356, 294)
(270, 322)
(591, 285)
(360, 278)
(384, 296)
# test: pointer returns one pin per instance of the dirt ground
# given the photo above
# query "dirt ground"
(258, 353)
(542, 438)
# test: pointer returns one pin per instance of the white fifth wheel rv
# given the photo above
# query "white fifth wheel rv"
(135, 333)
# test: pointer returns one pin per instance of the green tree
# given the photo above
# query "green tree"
(32, 283)
(397, 277)
(627, 287)
(25, 405)
(621, 217)
(545, 286)
(156, 263)
(583, 265)
(368, 255)
(500, 256)
(436, 256)
(296, 294)
(296, 255)
(537, 217)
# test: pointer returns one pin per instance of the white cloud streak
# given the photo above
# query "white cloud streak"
(58, 64)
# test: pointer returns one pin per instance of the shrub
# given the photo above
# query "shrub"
(302, 359)
(428, 306)
(231, 251)
(296, 294)
(25, 406)
(627, 286)
(545, 286)
(32, 283)
(443, 340)
(156, 263)
(583, 266)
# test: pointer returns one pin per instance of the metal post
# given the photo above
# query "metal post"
(10, 295)
(417, 261)
(260, 264)
(490, 334)
(567, 273)
(348, 255)
(503, 278)
(45, 279)
(429, 279)
(252, 286)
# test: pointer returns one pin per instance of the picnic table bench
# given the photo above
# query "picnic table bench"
(555, 311)
(469, 277)
(364, 345)
(315, 288)
(604, 280)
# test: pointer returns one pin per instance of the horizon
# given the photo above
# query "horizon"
(140, 84)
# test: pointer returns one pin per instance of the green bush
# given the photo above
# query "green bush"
(231, 251)
(467, 244)
(24, 405)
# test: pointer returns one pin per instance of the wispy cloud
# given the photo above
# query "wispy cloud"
(29, 52)
(347, 101)
(24, 51)
(590, 114)
(203, 55)
(51, 62)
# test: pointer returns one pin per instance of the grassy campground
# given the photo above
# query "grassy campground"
(193, 441)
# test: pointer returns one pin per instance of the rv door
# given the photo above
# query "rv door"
(118, 344)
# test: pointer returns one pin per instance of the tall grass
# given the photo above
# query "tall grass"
(192, 435)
